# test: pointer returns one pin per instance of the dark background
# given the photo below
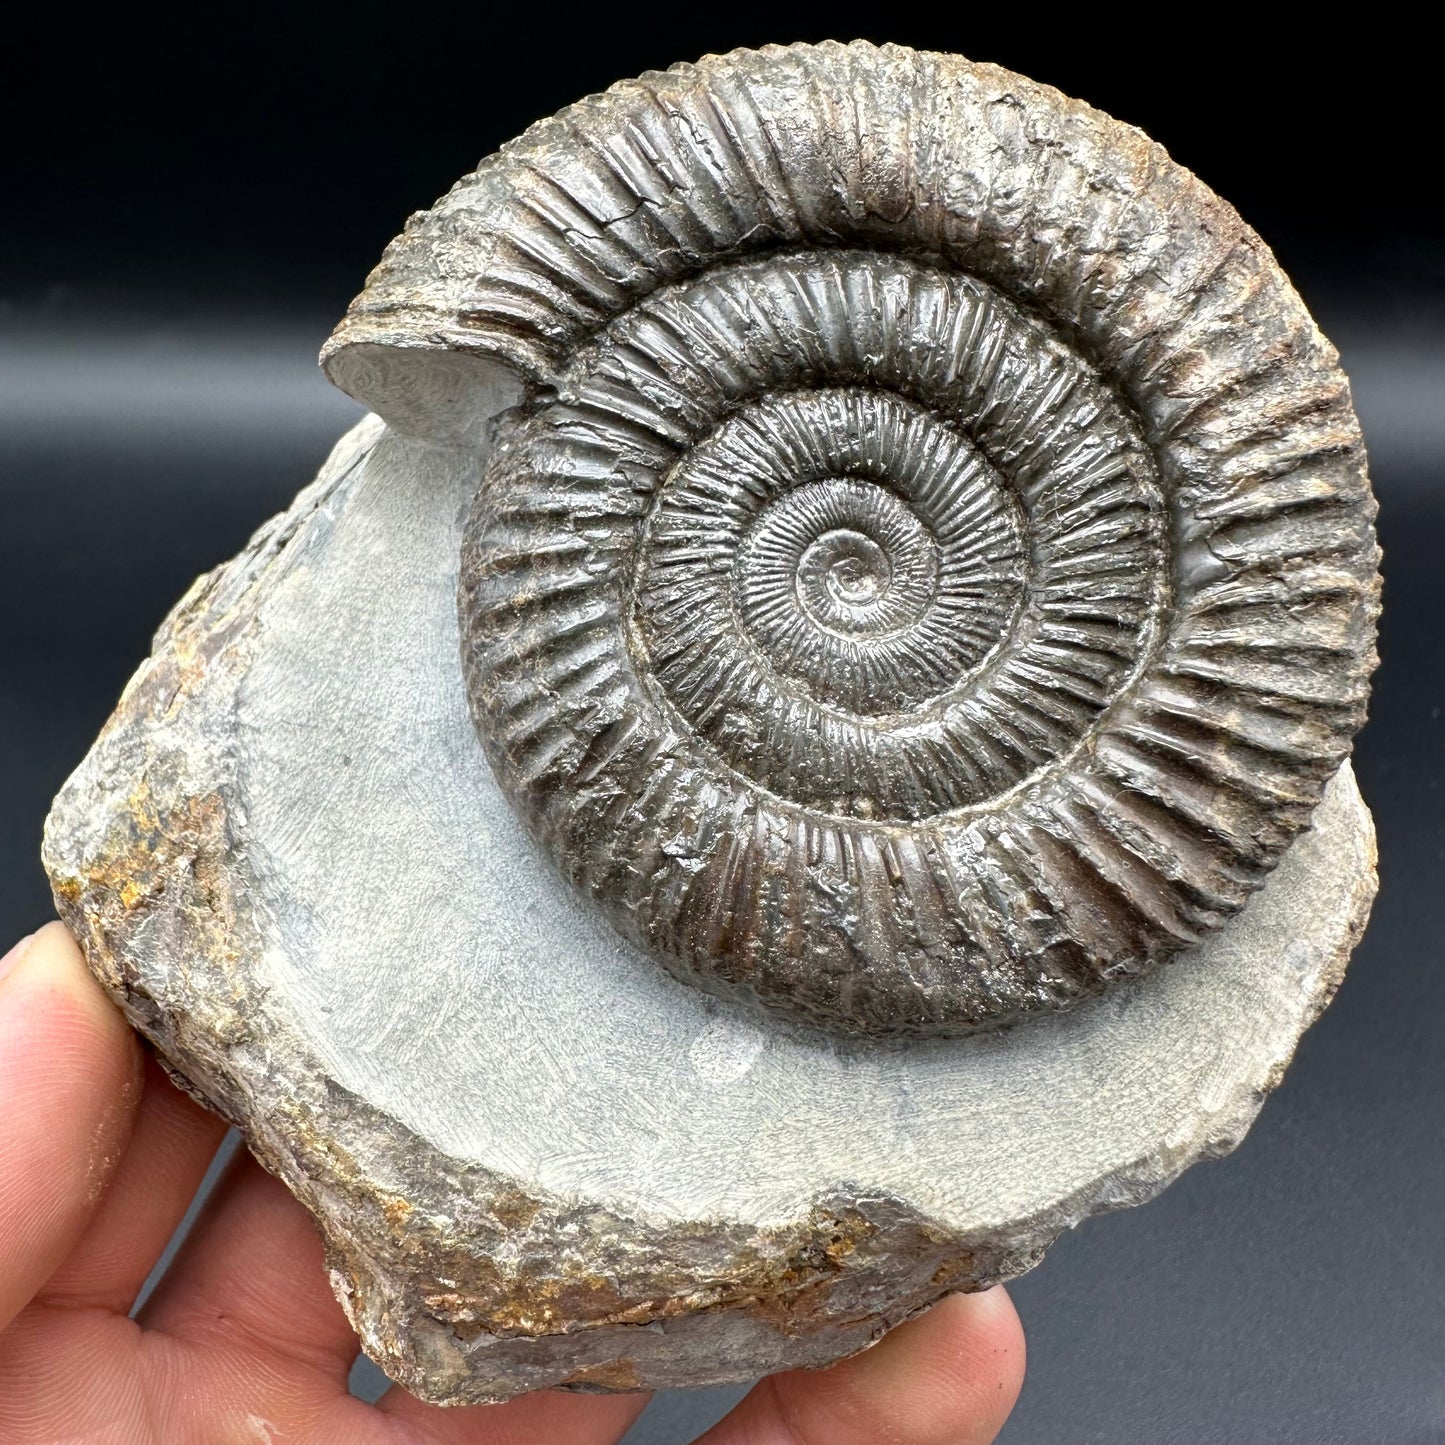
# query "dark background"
(188, 205)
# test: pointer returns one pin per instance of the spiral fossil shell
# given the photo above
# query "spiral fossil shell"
(928, 568)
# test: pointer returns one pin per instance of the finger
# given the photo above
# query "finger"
(170, 1149)
(70, 1080)
(251, 1275)
(547, 1415)
(949, 1377)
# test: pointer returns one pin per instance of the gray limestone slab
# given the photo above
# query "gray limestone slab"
(539, 1159)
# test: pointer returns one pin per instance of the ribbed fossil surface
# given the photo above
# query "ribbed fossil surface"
(930, 571)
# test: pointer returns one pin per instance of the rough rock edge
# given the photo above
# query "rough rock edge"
(459, 1282)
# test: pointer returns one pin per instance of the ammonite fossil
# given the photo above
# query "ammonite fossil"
(853, 550)
(928, 570)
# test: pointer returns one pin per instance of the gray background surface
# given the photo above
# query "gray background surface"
(158, 400)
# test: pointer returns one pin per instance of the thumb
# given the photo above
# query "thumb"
(70, 1074)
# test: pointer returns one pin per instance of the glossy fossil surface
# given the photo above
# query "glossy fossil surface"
(930, 571)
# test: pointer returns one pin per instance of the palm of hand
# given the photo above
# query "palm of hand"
(243, 1341)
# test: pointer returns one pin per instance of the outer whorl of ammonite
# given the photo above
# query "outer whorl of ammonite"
(930, 571)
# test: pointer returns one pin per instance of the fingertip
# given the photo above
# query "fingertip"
(957, 1369)
(542, 1416)
(51, 1000)
(981, 1341)
(12, 955)
(949, 1377)
(70, 1081)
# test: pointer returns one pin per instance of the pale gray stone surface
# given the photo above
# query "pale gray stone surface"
(537, 1158)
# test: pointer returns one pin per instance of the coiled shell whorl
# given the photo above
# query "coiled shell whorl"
(926, 567)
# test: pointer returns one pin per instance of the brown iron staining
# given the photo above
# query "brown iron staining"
(785, 1277)
(613, 1376)
(156, 850)
(168, 851)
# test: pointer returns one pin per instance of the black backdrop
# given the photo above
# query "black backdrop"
(188, 204)
(247, 160)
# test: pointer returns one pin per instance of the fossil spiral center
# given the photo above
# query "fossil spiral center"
(858, 561)
(838, 557)
(856, 568)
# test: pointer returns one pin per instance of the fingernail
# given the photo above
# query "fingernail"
(15, 955)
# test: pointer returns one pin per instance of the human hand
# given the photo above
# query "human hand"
(242, 1341)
